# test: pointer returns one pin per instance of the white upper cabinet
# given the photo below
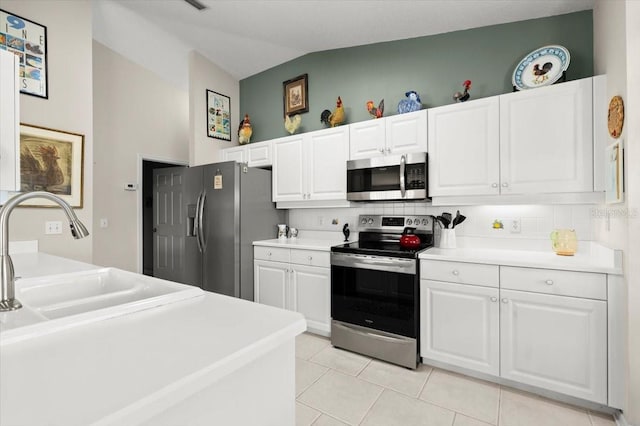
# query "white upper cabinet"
(9, 122)
(537, 141)
(464, 148)
(255, 154)
(546, 139)
(311, 169)
(406, 132)
(367, 139)
(396, 134)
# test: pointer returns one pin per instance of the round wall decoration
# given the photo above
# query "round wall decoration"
(616, 116)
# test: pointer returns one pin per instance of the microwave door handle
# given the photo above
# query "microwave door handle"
(403, 188)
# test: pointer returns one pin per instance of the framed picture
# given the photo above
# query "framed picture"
(614, 173)
(51, 160)
(218, 116)
(296, 95)
(28, 41)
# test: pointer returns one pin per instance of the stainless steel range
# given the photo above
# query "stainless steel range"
(375, 289)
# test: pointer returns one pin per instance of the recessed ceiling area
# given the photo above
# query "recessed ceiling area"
(245, 37)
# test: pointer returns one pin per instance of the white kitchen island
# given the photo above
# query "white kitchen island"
(208, 360)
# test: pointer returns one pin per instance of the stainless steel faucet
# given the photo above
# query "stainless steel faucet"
(7, 275)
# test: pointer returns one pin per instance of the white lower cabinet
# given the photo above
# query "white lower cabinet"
(544, 328)
(555, 342)
(296, 280)
(461, 325)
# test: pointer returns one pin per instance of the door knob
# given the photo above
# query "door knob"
(494, 299)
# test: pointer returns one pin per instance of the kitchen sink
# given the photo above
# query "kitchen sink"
(57, 302)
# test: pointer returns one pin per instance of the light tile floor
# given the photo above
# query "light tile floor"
(336, 387)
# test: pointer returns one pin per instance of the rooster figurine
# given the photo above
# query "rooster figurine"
(412, 103)
(245, 131)
(333, 118)
(375, 112)
(292, 124)
(461, 97)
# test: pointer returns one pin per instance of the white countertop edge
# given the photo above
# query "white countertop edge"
(592, 262)
(299, 243)
(158, 402)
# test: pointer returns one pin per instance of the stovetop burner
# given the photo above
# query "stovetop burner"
(380, 236)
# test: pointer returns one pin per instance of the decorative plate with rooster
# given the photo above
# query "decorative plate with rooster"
(542, 67)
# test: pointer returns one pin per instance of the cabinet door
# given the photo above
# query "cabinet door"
(555, 342)
(367, 139)
(464, 148)
(259, 154)
(546, 139)
(406, 132)
(327, 164)
(289, 169)
(9, 123)
(237, 154)
(459, 325)
(311, 288)
(270, 283)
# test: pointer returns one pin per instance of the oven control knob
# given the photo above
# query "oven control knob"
(416, 221)
(364, 221)
(370, 221)
(409, 222)
(424, 222)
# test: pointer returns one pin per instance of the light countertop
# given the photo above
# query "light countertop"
(300, 243)
(591, 258)
(137, 362)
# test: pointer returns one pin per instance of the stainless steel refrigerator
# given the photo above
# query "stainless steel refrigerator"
(205, 221)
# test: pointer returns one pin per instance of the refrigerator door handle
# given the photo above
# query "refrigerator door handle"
(196, 227)
(201, 240)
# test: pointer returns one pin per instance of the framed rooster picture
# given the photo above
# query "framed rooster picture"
(51, 160)
(296, 95)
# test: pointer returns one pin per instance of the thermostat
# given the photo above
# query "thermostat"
(130, 186)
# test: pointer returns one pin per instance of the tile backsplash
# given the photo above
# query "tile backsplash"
(535, 221)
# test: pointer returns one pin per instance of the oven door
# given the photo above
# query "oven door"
(375, 292)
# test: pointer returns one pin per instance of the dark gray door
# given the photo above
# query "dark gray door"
(175, 249)
(221, 228)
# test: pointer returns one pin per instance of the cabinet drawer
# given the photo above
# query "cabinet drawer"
(275, 254)
(459, 272)
(311, 257)
(551, 281)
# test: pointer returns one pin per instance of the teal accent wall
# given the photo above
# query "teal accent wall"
(434, 66)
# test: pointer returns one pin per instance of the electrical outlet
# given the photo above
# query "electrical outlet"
(54, 227)
(516, 226)
(104, 223)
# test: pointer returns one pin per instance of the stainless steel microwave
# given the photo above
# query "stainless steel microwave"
(388, 178)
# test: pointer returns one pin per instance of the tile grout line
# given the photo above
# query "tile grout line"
(371, 406)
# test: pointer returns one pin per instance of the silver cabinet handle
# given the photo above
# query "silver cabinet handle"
(494, 185)
(504, 185)
(269, 254)
(388, 150)
(549, 282)
(308, 196)
(455, 272)
(381, 150)
(494, 299)
(403, 162)
(505, 300)
(310, 257)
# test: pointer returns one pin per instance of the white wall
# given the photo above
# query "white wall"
(632, 139)
(135, 112)
(68, 108)
(203, 75)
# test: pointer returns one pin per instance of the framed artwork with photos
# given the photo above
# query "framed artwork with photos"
(218, 116)
(296, 95)
(51, 160)
(28, 41)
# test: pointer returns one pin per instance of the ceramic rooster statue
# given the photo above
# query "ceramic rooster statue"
(292, 123)
(245, 131)
(333, 118)
(412, 103)
(461, 97)
(375, 112)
